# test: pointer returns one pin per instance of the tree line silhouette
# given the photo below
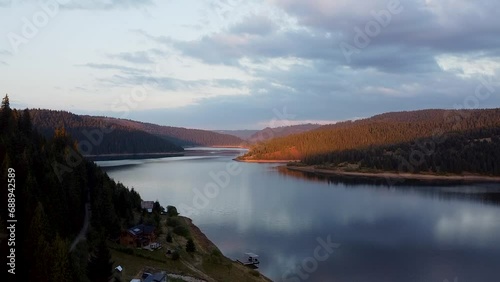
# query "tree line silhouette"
(99, 136)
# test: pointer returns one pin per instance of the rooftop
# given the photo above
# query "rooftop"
(157, 277)
(147, 204)
(141, 229)
(252, 255)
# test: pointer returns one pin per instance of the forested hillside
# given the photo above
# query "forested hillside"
(270, 133)
(456, 141)
(256, 136)
(475, 151)
(96, 136)
(243, 134)
(179, 135)
(52, 185)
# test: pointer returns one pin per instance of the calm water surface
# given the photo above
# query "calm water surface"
(403, 233)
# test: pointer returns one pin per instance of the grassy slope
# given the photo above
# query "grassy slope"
(206, 263)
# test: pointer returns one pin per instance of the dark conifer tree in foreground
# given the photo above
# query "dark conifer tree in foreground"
(50, 204)
(190, 246)
(100, 267)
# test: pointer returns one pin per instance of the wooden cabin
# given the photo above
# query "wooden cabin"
(138, 236)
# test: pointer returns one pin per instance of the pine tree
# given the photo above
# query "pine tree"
(60, 267)
(25, 122)
(172, 211)
(5, 102)
(38, 246)
(5, 113)
(190, 246)
(100, 267)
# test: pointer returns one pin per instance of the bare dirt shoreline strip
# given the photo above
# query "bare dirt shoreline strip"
(425, 177)
(266, 161)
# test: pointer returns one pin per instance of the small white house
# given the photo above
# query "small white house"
(147, 205)
(249, 259)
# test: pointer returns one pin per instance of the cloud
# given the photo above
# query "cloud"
(134, 57)
(286, 53)
(429, 56)
(105, 4)
(445, 26)
(396, 59)
(5, 52)
(467, 66)
(163, 83)
(228, 48)
(255, 110)
(149, 81)
(409, 43)
(89, 4)
(254, 25)
(120, 68)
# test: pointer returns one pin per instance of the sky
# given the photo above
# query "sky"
(235, 64)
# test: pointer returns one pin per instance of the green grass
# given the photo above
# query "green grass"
(134, 263)
(208, 260)
(175, 280)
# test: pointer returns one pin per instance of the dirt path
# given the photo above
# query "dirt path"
(83, 232)
(185, 278)
(197, 271)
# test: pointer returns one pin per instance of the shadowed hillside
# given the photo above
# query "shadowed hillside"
(99, 137)
(179, 135)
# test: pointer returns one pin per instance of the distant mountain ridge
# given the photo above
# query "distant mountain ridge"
(120, 136)
(242, 134)
(256, 136)
(180, 135)
(270, 133)
(98, 137)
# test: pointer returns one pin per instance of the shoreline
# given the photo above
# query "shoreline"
(210, 246)
(264, 161)
(229, 147)
(218, 147)
(116, 157)
(394, 175)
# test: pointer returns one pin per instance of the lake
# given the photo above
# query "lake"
(306, 228)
